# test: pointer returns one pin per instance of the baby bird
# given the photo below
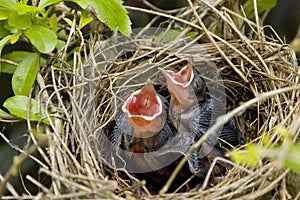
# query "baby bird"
(146, 140)
(192, 111)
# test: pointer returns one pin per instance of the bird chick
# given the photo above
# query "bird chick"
(141, 130)
(192, 111)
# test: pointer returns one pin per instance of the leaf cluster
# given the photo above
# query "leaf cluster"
(285, 154)
(45, 32)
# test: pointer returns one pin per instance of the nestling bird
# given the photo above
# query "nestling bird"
(143, 132)
(191, 110)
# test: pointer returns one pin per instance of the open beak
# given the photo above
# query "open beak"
(179, 83)
(143, 107)
(183, 78)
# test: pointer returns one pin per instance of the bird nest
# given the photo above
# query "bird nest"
(259, 74)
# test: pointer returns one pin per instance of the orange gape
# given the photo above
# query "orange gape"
(145, 103)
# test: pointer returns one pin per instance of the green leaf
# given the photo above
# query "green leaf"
(109, 12)
(15, 56)
(293, 158)
(45, 3)
(266, 140)
(84, 19)
(21, 22)
(9, 4)
(60, 43)
(15, 37)
(10, 28)
(24, 9)
(17, 106)
(3, 31)
(251, 152)
(25, 74)
(238, 156)
(8, 68)
(53, 22)
(167, 36)
(3, 42)
(262, 5)
(282, 132)
(3, 13)
(42, 37)
(4, 115)
(68, 21)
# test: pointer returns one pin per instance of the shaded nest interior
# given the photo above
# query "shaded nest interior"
(226, 48)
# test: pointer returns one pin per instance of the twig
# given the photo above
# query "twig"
(266, 189)
(10, 188)
(217, 46)
(133, 186)
(249, 45)
(15, 147)
(164, 15)
(38, 184)
(18, 161)
(205, 183)
(153, 7)
(9, 62)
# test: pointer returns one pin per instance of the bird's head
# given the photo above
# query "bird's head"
(180, 86)
(144, 110)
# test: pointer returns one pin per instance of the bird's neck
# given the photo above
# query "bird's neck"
(183, 102)
(150, 129)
